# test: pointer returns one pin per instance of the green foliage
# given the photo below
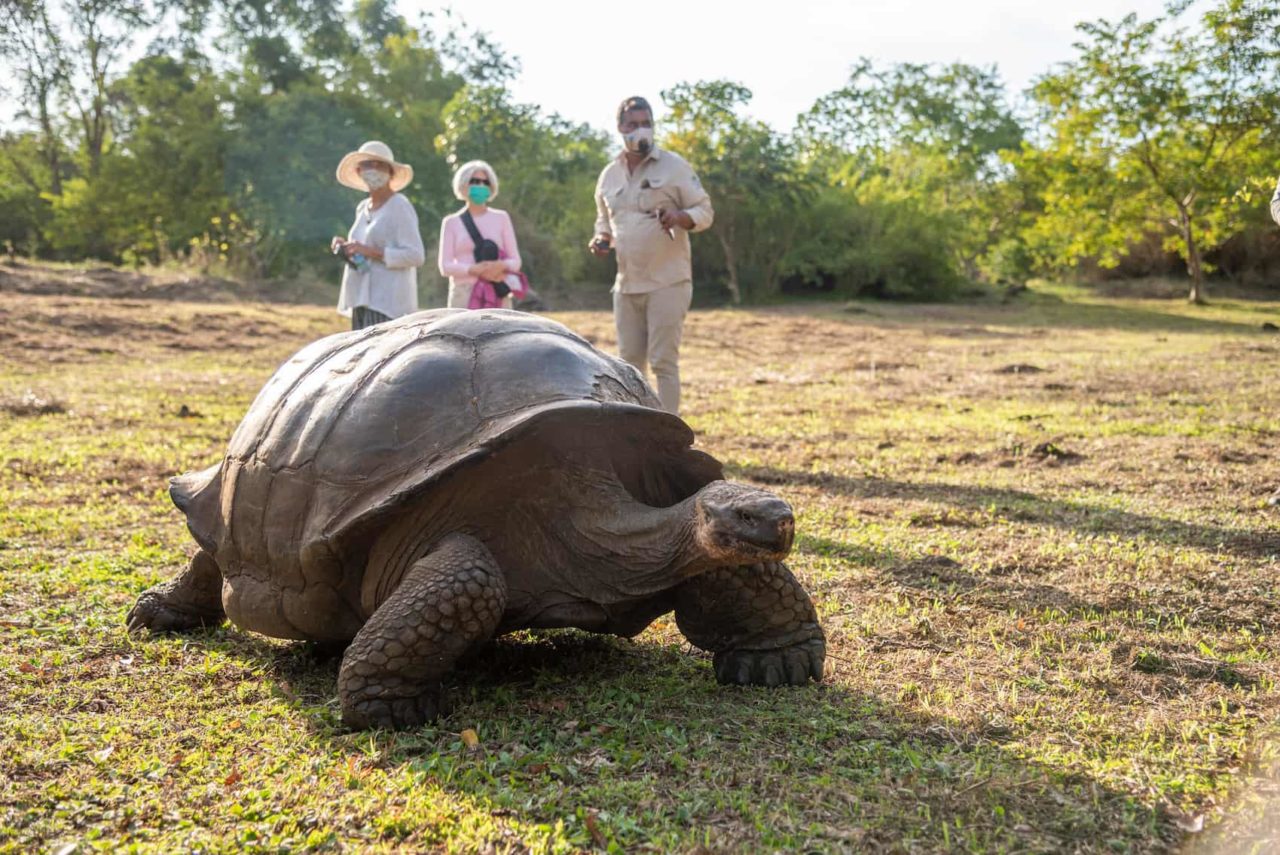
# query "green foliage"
(958, 110)
(280, 166)
(24, 212)
(1155, 127)
(916, 158)
(871, 242)
(1156, 142)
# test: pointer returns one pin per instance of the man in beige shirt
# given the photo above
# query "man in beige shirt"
(647, 202)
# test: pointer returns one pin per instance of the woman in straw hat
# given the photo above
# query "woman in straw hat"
(383, 249)
(477, 184)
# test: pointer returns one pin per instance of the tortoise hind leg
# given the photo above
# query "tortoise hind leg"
(190, 600)
(757, 620)
(449, 600)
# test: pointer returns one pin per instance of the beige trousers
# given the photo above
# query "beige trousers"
(649, 329)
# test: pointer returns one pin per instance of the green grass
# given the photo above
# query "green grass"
(1050, 599)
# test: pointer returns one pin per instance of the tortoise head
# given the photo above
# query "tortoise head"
(739, 524)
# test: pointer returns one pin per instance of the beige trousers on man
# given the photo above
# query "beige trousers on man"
(649, 329)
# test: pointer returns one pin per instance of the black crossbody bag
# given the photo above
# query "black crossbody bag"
(485, 250)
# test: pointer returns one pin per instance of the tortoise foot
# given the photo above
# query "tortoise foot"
(448, 601)
(155, 612)
(365, 710)
(190, 600)
(785, 666)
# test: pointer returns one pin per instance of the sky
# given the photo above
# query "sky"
(580, 59)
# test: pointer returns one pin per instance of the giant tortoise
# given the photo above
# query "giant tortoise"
(418, 487)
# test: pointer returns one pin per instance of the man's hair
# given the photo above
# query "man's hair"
(635, 102)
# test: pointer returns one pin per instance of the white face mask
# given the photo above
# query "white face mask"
(640, 140)
(374, 179)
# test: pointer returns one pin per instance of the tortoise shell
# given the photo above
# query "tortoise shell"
(357, 424)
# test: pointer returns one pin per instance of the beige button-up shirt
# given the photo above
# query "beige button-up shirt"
(627, 205)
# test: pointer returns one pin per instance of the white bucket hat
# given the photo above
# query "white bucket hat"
(349, 168)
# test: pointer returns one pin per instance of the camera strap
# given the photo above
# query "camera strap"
(476, 238)
(479, 240)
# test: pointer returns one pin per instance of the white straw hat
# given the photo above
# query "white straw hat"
(349, 168)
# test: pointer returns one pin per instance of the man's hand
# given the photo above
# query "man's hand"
(600, 245)
(672, 219)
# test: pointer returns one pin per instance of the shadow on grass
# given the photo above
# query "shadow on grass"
(1212, 607)
(1028, 507)
(1039, 310)
(571, 723)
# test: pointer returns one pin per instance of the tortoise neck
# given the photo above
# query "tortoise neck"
(653, 548)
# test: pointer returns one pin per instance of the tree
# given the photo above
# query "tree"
(935, 137)
(1156, 126)
(749, 171)
(30, 42)
(958, 110)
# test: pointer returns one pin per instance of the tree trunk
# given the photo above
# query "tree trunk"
(726, 244)
(1194, 266)
(52, 146)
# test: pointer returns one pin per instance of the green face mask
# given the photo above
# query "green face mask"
(478, 193)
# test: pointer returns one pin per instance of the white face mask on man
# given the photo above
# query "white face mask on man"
(640, 140)
(374, 179)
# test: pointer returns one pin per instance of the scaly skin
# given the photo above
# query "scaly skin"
(447, 601)
(757, 620)
(190, 600)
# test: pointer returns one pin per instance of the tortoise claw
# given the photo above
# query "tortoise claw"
(152, 611)
(786, 666)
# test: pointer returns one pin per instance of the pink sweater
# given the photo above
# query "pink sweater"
(457, 252)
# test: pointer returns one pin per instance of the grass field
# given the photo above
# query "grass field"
(1036, 532)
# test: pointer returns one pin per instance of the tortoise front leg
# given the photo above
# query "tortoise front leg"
(190, 600)
(448, 601)
(757, 620)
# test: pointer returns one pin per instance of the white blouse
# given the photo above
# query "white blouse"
(389, 286)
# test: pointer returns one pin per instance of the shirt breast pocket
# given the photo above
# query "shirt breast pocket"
(658, 193)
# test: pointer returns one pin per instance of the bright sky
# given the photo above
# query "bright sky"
(581, 58)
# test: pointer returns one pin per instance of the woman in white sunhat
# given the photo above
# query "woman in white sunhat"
(478, 250)
(383, 249)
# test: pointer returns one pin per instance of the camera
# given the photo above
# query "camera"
(340, 250)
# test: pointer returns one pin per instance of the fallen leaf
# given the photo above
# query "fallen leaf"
(593, 828)
(232, 779)
(470, 738)
(538, 768)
